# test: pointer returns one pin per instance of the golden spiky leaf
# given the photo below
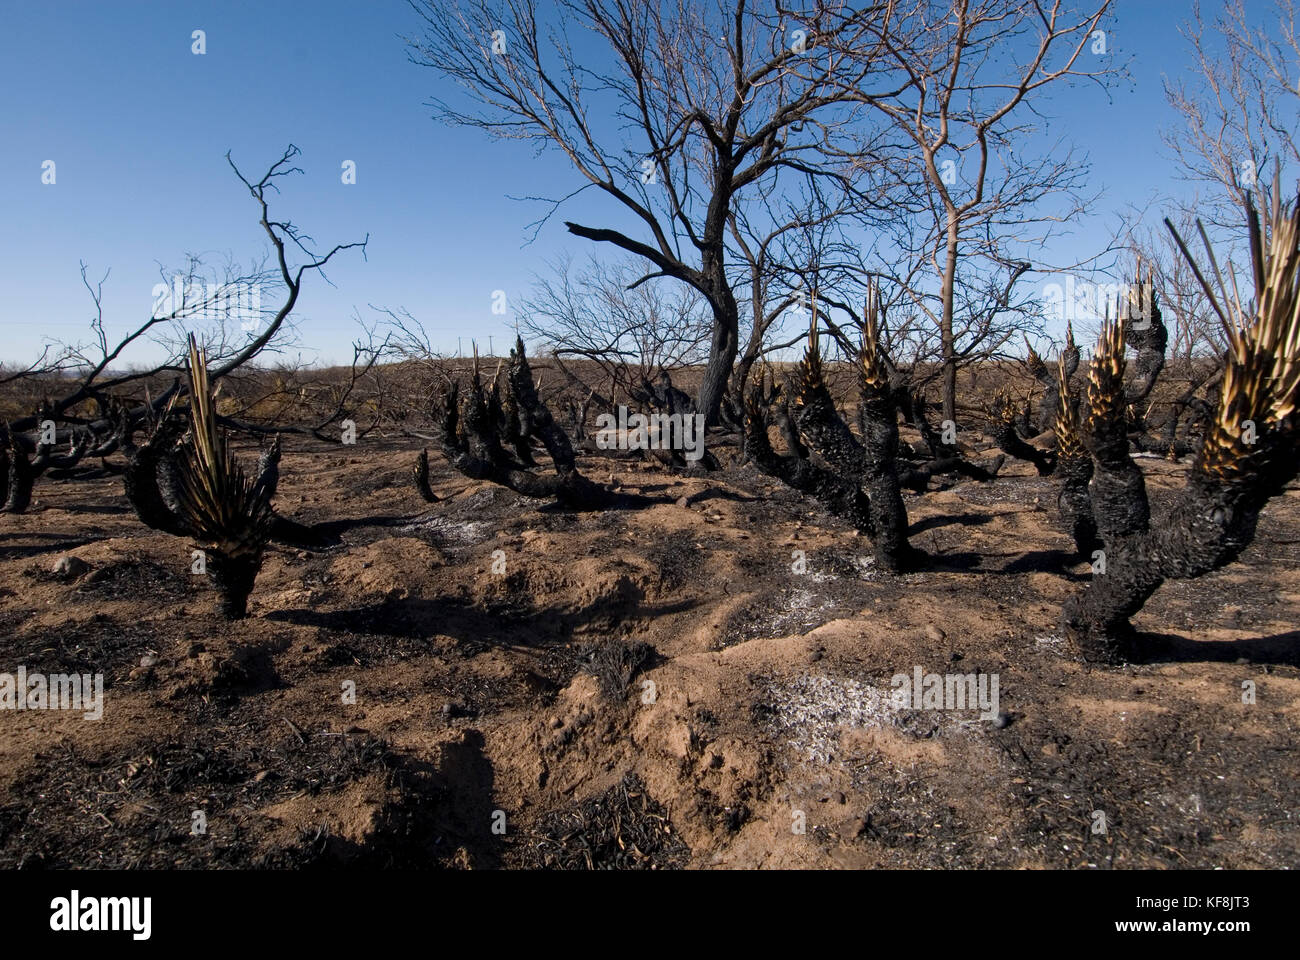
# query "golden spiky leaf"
(1069, 442)
(1261, 377)
(1033, 361)
(808, 378)
(871, 364)
(1105, 397)
(220, 504)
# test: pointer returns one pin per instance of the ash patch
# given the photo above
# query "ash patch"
(833, 565)
(794, 611)
(1053, 643)
(809, 712)
(453, 533)
(1018, 490)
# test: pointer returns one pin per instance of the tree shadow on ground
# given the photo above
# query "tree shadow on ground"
(64, 542)
(1057, 562)
(107, 509)
(945, 520)
(505, 623)
(1279, 649)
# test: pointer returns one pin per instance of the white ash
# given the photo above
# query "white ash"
(811, 711)
(467, 532)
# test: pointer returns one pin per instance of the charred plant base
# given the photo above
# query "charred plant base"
(526, 691)
(233, 577)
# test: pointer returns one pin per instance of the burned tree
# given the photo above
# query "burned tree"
(102, 381)
(1248, 455)
(702, 125)
(980, 69)
(23, 461)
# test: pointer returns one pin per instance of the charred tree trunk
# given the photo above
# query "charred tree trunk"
(723, 346)
(22, 471)
(947, 341)
(233, 576)
(420, 476)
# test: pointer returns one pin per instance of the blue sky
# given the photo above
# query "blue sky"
(138, 127)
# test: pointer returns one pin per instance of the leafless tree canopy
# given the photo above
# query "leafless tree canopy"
(594, 312)
(197, 300)
(677, 114)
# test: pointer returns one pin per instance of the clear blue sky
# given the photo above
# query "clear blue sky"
(139, 126)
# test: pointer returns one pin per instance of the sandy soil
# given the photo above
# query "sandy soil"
(649, 688)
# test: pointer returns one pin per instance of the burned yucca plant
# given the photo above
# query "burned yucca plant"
(184, 481)
(1005, 421)
(227, 514)
(1248, 455)
(488, 434)
(1073, 467)
(1049, 401)
(1011, 424)
(857, 477)
(841, 496)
